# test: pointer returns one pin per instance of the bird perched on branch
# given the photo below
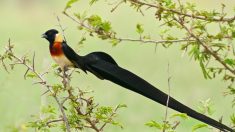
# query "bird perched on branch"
(104, 66)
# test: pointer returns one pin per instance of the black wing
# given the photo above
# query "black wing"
(132, 82)
(73, 57)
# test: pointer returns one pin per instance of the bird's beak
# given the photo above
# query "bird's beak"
(44, 36)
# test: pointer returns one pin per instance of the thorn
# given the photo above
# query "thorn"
(5, 67)
(33, 60)
(45, 92)
(39, 82)
(26, 73)
(44, 73)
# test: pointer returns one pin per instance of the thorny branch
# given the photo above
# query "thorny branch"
(83, 106)
(43, 82)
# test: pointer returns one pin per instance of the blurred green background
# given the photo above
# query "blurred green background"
(25, 20)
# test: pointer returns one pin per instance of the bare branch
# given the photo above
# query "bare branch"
(115, 7)
(168, 97)
(33, 60)
(62, 29)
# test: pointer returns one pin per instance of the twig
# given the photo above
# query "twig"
(45, 92)
(154, 41)
(168, 97)
(62, 29)
(63, 113)
(33, 60)
(4, 65)
(25, 74)
(176, 124)
(78, 22)
(115, 7)
(54, 121)
(110, 117)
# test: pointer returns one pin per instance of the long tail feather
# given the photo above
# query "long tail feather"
(132, 82)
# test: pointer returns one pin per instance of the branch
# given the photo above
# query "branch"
(208, 49)
(62, 29)
(76, 21)
(130, 39)
(154, 41)
(158, 6)
(63, 113)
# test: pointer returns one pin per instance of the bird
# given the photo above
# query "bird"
(104, 67)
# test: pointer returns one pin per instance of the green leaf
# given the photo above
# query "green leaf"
(154, 124)
(199, 126)
(69, 4)
(106, 26)
(114, 42)
(57, 87)
(103, 113)
(48, 109)
(54, 65)
(117, 124)
(195, 51)
(122, 106)
(95, 20)
(92, 2)
(139, 28)
(231, 90)
(31, 75)
(82, 40)
(205, 74)
(167, 2)
(181, 115)
(230, 62)
(233, 34)
(205, 107)
(232, 117)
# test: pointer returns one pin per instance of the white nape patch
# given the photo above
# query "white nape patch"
(58, 38)
(62, 61)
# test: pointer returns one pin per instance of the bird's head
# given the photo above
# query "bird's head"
(52, 36)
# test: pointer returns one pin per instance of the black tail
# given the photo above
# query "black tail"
(132, 82)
